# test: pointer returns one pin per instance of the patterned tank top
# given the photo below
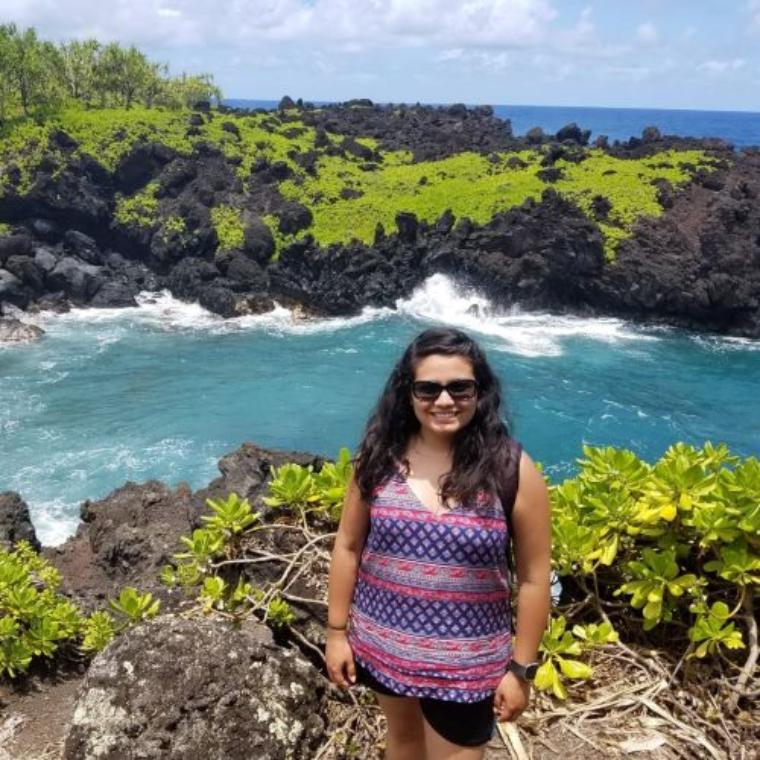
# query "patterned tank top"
(430, 616)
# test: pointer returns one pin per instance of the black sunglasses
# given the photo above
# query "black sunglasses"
(459, 390)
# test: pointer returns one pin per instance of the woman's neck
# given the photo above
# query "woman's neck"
(437, 445)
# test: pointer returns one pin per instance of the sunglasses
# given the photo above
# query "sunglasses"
(459, 390)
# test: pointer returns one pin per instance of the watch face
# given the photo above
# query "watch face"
(531, 670)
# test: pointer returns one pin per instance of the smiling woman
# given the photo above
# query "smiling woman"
(420, 583)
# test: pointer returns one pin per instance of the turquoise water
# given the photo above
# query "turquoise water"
(163, 391)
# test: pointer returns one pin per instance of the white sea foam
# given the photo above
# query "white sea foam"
(54, 521)
(161, 311)
(441, 300)
(723, 343)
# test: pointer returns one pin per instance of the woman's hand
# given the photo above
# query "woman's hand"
(339, 659)
(511, 697)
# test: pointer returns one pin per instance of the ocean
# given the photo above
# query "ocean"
(740, 128)
(164, 390)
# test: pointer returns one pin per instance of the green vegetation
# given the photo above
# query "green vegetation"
(228, 223)
(36, 621)
(38, 77)
(347, 196)
(640, 549)
(34, 618)
(140, 209)
(211, 565)
(476, 187)
(678, 540)
(5, 229)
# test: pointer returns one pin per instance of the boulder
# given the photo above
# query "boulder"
(82, 246)
(258, 242)
(14, 245)
(535, 136)
(179, 689)
(15, 331)
(407, 225)
(115, 294)
(285, 103)
(242, 269)
(45, 229)
(12, 290)
(219, 300)
(45, 259)
(27, 271)
(15, 522)
(573, 133)
(650, 134)
(124, 539)
(247, 471)
(79, 281)
(293, 218)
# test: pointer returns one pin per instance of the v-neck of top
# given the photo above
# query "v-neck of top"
(439, 513)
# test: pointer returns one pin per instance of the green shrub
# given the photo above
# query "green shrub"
(140, 209)
(679, 540)
(35, 620)
(228, 223)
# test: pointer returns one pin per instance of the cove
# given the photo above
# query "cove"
(164, 390)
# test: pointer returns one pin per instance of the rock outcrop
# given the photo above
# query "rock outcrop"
(695, 266)
(15, 522)
(16, 331)
(178, 689)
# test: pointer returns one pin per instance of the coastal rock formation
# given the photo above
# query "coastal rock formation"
(179, 689)
(124, 539)
(236, 231)
(15, 522)
(15, 331)
(129, 535)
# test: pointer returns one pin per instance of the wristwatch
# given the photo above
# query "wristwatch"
(524, 672)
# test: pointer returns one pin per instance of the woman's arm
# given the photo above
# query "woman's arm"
(346, 554)
(531, 524)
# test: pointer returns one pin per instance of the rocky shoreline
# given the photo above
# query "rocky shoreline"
(695, 266)
(177, 686)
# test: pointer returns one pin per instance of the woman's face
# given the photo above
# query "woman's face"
(444, 415)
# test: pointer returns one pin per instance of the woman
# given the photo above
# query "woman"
(418, 601)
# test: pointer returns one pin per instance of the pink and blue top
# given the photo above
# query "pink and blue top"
(431, 610)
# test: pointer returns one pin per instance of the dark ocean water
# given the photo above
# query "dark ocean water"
(741, 128)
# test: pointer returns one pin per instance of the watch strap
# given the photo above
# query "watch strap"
(525, 672)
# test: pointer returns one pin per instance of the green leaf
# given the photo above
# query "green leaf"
(574, 669)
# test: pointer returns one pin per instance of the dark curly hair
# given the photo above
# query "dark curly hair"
(481, 449)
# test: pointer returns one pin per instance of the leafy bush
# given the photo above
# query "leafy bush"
(228, 223)
(211, 564)
(140, 209)
(35, 620)
(678, 539)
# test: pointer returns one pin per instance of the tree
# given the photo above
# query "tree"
(30, 68)
(80, 60)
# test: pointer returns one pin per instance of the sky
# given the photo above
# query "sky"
(699, 54)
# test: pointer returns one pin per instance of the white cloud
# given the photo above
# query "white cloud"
(721, 67)
(452, 23)
(647, 34)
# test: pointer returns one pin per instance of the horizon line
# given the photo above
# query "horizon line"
(318, 101)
